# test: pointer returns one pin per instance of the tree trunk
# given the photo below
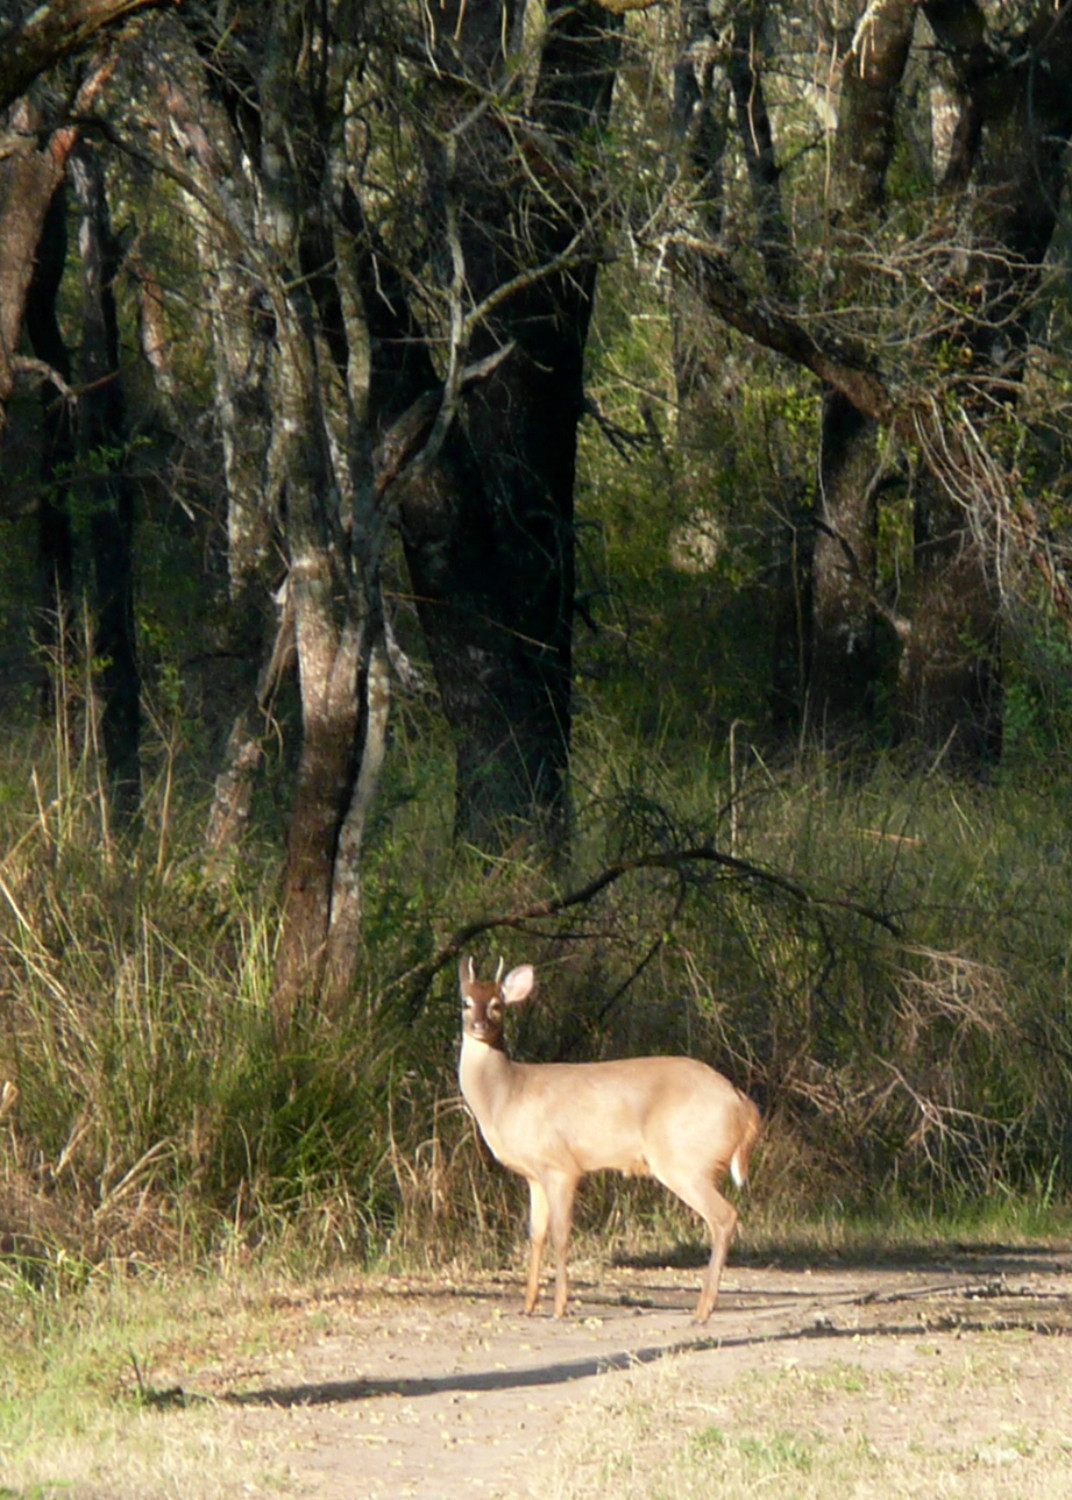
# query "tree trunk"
(949, 697)
(258, 139)
(500, 627)
(29, 177)
(844, 660)
(50, 32)
(334, 531)
(463, 583)
(756, 135)
(844, 655)
(101, 443)
(255, 628)
(55, 538)
(1008, 152)
(260, 647)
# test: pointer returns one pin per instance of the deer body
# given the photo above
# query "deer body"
(672, 1118)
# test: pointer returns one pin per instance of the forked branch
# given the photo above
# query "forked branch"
(417, 979)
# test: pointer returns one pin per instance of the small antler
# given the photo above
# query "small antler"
(499, 970)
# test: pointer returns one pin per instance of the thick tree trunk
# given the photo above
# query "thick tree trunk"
(844, 656)
(55, 538)
(870, 92)
(31, 169)
(334, 535)
(29, 177)
(101, 443)
(756, 135)
(500, 625)
(336, 624)
(844, 661)
(950, 697)
(50, 32)
(464, 584)
(261, 648)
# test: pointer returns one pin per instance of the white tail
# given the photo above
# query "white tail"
(673, 1118)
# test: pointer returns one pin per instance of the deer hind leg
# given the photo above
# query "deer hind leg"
(720, 1216)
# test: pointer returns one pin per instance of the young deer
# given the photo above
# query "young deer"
(668, 1117)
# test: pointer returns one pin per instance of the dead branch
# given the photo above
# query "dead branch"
(418, 978)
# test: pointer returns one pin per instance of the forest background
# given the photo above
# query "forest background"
(587, 482)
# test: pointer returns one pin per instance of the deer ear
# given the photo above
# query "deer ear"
(518, 983)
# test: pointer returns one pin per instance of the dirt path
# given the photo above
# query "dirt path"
(413, 1388)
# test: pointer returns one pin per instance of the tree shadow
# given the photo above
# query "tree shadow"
(967, 1256)
(562, 1372)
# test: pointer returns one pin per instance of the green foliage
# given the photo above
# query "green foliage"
(1037, 708)
(884, 968)
(151, 1108)
(692, 542)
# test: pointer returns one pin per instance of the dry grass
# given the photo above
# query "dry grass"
(129, 1395)
(972, 1417)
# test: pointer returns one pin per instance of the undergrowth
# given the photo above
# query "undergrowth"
(882, 962)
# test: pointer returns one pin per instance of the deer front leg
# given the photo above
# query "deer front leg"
(539, 1219)
(559, 1190)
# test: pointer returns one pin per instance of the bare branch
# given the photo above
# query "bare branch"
(50, 33)
(25, 364)
(844, 365)
(414, 439)
(418, 978)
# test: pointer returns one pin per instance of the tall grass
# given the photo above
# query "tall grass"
(885, 969)
(149, 1112)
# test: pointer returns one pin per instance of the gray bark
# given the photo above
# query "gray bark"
(844, 637)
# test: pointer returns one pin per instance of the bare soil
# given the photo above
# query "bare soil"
(428, 1388)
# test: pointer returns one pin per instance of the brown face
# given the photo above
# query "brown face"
(482, 1007)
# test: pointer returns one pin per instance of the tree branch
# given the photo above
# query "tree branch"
(417, 979)
(842, 366)
(415, 437)
(50, 33)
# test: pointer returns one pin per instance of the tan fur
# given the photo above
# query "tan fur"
(672, 1118)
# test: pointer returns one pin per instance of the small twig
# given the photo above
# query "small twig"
(638, 969)
(624, 442)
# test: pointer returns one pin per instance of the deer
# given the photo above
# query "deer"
(672, 1118)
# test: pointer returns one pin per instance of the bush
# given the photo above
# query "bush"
(880, 960)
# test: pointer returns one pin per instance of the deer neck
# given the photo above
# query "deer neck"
(484, 1074)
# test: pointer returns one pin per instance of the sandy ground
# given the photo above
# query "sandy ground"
(418, 1388)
